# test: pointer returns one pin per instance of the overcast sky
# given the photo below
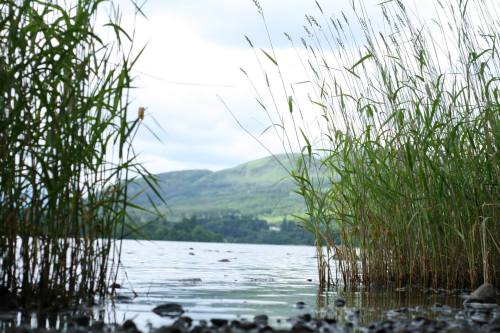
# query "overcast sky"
(195, 51)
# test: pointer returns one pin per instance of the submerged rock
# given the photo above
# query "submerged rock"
(300, 305)
(169, 310)
(191, 281)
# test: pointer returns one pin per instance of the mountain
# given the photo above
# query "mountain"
(261, 188)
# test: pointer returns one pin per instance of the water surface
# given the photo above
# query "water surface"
(235, 281)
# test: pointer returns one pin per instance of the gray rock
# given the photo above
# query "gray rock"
(339, 302)
(486, 293)
(183, 322)
(219, 322)
(169, 310)
(261, 320)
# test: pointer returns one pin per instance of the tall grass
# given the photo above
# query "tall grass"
(406, 123)
(65, 148)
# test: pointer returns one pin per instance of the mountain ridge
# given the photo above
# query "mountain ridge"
(261, 188)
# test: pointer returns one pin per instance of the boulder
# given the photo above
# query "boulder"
(486, 293)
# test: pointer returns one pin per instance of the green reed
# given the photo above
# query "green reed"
(405, 123)
(65, 147)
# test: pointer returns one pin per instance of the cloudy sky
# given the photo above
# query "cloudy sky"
(195, 49)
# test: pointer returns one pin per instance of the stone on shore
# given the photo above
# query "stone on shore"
(261, 320)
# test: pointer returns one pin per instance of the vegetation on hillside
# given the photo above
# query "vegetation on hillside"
(406, 122)
(222, 228)
(259, 188)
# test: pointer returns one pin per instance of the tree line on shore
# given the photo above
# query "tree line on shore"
(231, 228)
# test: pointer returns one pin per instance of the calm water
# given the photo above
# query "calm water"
(214, 280)
(236, 281)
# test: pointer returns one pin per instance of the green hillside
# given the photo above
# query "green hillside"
(259, 188)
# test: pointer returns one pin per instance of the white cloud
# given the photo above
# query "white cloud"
(195, 50)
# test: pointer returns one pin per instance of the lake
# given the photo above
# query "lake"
(220, 280)
(215, 280)
(239, 281)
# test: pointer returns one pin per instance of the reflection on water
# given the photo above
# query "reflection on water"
(214, 280)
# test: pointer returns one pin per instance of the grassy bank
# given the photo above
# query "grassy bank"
(406, 122)
(65, 148)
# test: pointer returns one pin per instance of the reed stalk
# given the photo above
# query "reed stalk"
(65, 148)
(405, 124)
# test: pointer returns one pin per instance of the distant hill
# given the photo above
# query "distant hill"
(259, 188)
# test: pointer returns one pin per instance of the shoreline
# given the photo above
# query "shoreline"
(472, 317)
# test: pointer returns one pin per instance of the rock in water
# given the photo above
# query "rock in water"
(486, 293)
(339, 302)
(169, 310)
(218, 322)
(129, 325)
(300, 305)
